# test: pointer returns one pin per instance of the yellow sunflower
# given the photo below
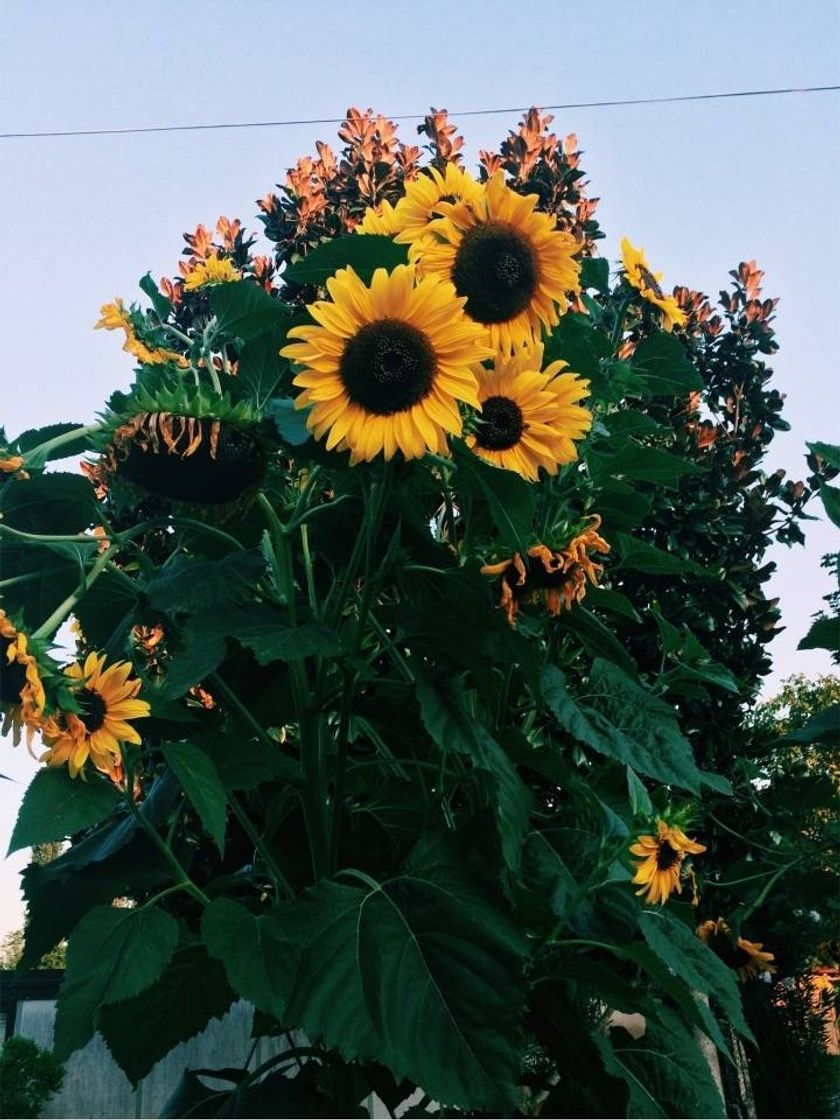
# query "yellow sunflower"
(385, 366)
(22, 694)
(213, 270)
(746, 957)
(379, 219)
(529, 419)
(658, 872)
(115, 317)
(639, 275)
(107, 699)
(509, 262)
(421, 202)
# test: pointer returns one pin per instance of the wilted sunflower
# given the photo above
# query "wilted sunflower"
(212, 270)
(385, 366)
(509, 262)
(421, 202)
(107, 699)
(529, 419)
(115, 317)
(22, 694)
(639, 275)
(662, 859)
(746, 957)
(558, 576)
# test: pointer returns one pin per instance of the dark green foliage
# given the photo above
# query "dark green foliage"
(29, 1076)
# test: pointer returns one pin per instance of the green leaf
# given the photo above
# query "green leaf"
(624, 721)
(244, 309)
(634, 461)
(112, 955)
(831, 500)
(161, 304)
(694, 962)
(193, 586)
(664, 368)
(54, 503)
(631, 422)
(595, 273)
(596, 638)
(261, 367)
(32, 438)
(363, 252)
(140, 1031)
(828, 451)
(824, 634)
(621, 507)
(107, 607)
(202, 785)
(822, 726)
(289, 421)
(640, 802)
(250, 764)
(606, 600)
(644, 557)
(55, 806)
(258, 954)
(266, 633)
(509, 499)
(430, 974)
(574, 340)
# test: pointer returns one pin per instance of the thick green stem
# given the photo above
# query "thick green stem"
(36, 454)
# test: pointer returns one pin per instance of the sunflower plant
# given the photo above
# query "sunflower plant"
(387, 712)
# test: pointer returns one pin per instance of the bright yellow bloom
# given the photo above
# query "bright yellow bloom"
(114, 317)
(379, 219)
(22, 694)
(509, 262)
(421, 202)
(107, 699)
(639, 275)
(746, 957)
(212, 270)
(529, 419)
(658, 872)
(386, 365)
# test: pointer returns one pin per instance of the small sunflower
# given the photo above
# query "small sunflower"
(379, 219)
(107, 700)
(212, 270)
(639, 276)
(509, 262)
(115, 317)
(385, 366)
(746, 957)
(558, 576)
(421, 202)
(22, 694)
(529, 419)
(661, 862)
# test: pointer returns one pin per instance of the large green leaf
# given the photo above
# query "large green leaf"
(244, 763)
(202, 785)
(245, 310)
(636, 462)
(822, 726)
(597, 638)
(645, 557)
(140, 1031)
(259, 956)
(55, 806)
(193, 586)
(824, 634)
(363, 252)
(575, 341)
(664, 368)
(261, 367)
(508, 498)
(623, 721)
(112, 955)
(49, 503)
(107, 609)
(27, 442)
(264, 631)
(828, 451)
(831, 500)
(430, 974)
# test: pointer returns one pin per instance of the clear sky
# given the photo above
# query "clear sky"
(701, 185)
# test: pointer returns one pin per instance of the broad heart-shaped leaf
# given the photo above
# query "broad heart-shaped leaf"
(261, 367)
(112, 955)
(202, 785)
(575, 341)
(644, 557)
(244, 763)
(664, 368)
(509, 499)
(623, 721)
(595, 273)
(49, 503)
(107, 607)
(666, 1074)
(258, 956)
(140, 1031)
(244, 309)
(363, 252)
(269, 636)
(193, 586)
(693, 960)
(55, 806)
(429, 971)
(596, 638)
(627, 459)
(824, 634)
(445, 716)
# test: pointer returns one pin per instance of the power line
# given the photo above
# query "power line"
(418, 116)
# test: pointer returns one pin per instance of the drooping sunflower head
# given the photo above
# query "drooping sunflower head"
(116, 317)
(647, 283)
(22, 694)
(384, 367)
(509, 262)
(106, 700)
(557, 576)
(659, 868)
(746, 957)
(529, 419)
(423, 196)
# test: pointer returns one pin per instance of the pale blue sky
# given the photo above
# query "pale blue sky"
(701, 186)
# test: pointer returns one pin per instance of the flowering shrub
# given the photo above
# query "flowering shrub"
(417, 583)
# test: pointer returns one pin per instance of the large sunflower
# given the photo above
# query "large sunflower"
(529, 419)
(385, 366)
(22, 694)
(107, 699)
(746, 957)
(658, 872)
(647, 283)
(510, 263)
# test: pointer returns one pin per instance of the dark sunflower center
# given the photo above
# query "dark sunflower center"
(650, 281)
(12, 677)
(501, 424)
(667, 856)
(388, 366)
(92, 709)
(496, 269)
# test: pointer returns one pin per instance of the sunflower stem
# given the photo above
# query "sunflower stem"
(279, 880)
(48, 628)
(43, 449)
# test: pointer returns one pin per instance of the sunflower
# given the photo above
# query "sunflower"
(379, 219)
(558, 576)
(662, 859)
(529, 419)
(106, 699)
(385, 366)
(746, 957)
(639, 276)
(510, 263)
(22, 694)
(213, 270)
(421, 202)
(115, 317)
